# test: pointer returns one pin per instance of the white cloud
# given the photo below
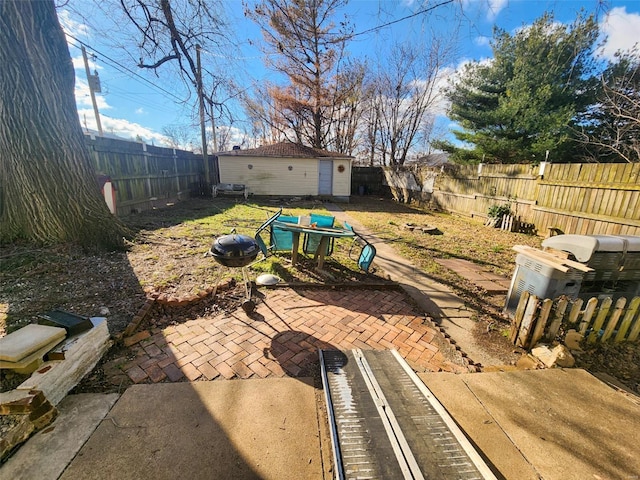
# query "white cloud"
(140, 111)
(482, 41)
(621, 31)
(493, 7)
(119, 127)
(71, 26)
(83, 96)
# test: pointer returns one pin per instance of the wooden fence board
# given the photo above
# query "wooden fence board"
(628, 318)
(517, 320)
(558, 315)
(576, 308)
(527, 322)
(586, 317)
(613, 320)
(537, 320)
(541, 321)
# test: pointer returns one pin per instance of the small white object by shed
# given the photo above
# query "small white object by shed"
(288, 169)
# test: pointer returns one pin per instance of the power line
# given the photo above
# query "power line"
(117, 65)
(393, 22)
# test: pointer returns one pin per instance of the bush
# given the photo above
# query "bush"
(498, 211)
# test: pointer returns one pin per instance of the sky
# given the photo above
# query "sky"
(138, 105)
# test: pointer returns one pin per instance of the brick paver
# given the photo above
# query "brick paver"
(284, 334)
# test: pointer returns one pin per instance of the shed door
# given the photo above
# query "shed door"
(325, 177)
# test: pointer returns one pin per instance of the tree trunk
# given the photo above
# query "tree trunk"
(48, 192)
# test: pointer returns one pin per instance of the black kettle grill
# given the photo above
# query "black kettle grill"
(235, 250)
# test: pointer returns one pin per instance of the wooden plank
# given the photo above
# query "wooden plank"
(576, 308)
(517, 319)
(541, 322)
(586, 315)
(561, 264)
(613, 321)
(558, 316)
(527, 321)
(603, 311)
(635, 330)
(634, 305)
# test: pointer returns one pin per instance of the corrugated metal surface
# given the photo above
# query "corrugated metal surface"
(386, 424)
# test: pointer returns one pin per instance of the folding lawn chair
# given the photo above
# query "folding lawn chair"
(281, 240)
(367, 253)
(312, 240)
(260, 241)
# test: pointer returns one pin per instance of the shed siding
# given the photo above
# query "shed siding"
(342, 180)
(271, 176)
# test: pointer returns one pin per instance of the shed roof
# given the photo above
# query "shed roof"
(285, 149)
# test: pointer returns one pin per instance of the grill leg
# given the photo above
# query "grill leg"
(248, 305)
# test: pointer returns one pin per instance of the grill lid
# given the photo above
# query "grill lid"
(583, 247)
(235, 250)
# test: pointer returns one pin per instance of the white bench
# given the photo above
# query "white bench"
(230, 189)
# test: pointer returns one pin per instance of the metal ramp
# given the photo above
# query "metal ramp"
(386, 424)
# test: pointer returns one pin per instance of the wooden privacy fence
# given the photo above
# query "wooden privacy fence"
(547, 320)
(579, 198)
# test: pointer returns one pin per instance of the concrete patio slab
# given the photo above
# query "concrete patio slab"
(47, 454)
(258, 428)
(556, 424)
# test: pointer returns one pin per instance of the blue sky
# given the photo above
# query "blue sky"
(134, 103)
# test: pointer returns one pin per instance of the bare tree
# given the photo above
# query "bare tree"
(302, 43)
(614, 131)
(49, 192)
(180, 136)
(404, 92)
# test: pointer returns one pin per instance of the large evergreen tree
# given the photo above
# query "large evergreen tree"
(529, 99)
(48, 189)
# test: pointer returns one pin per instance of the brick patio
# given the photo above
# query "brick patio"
(283, 335)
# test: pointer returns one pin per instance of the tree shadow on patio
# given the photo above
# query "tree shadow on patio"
(297, 354)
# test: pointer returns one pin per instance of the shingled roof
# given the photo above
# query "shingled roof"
(285, 149)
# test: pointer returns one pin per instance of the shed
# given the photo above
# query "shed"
(288, 169)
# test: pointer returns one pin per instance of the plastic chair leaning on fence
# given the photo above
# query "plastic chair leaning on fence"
(368, 252)
(312, 240)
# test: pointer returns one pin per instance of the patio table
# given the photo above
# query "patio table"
(325, 234)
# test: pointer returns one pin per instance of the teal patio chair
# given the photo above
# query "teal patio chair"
(264, 248)
(312, 240)
(282, 241)
(368, 252)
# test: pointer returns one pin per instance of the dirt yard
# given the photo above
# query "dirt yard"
(167, 255)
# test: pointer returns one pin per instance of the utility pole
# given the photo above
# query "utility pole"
(203, 130)
(94, 86)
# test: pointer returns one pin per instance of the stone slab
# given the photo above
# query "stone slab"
(55, 378)
(27, 340)
(236, 429)
(47, 454)
(32, 361)
(555, 424)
